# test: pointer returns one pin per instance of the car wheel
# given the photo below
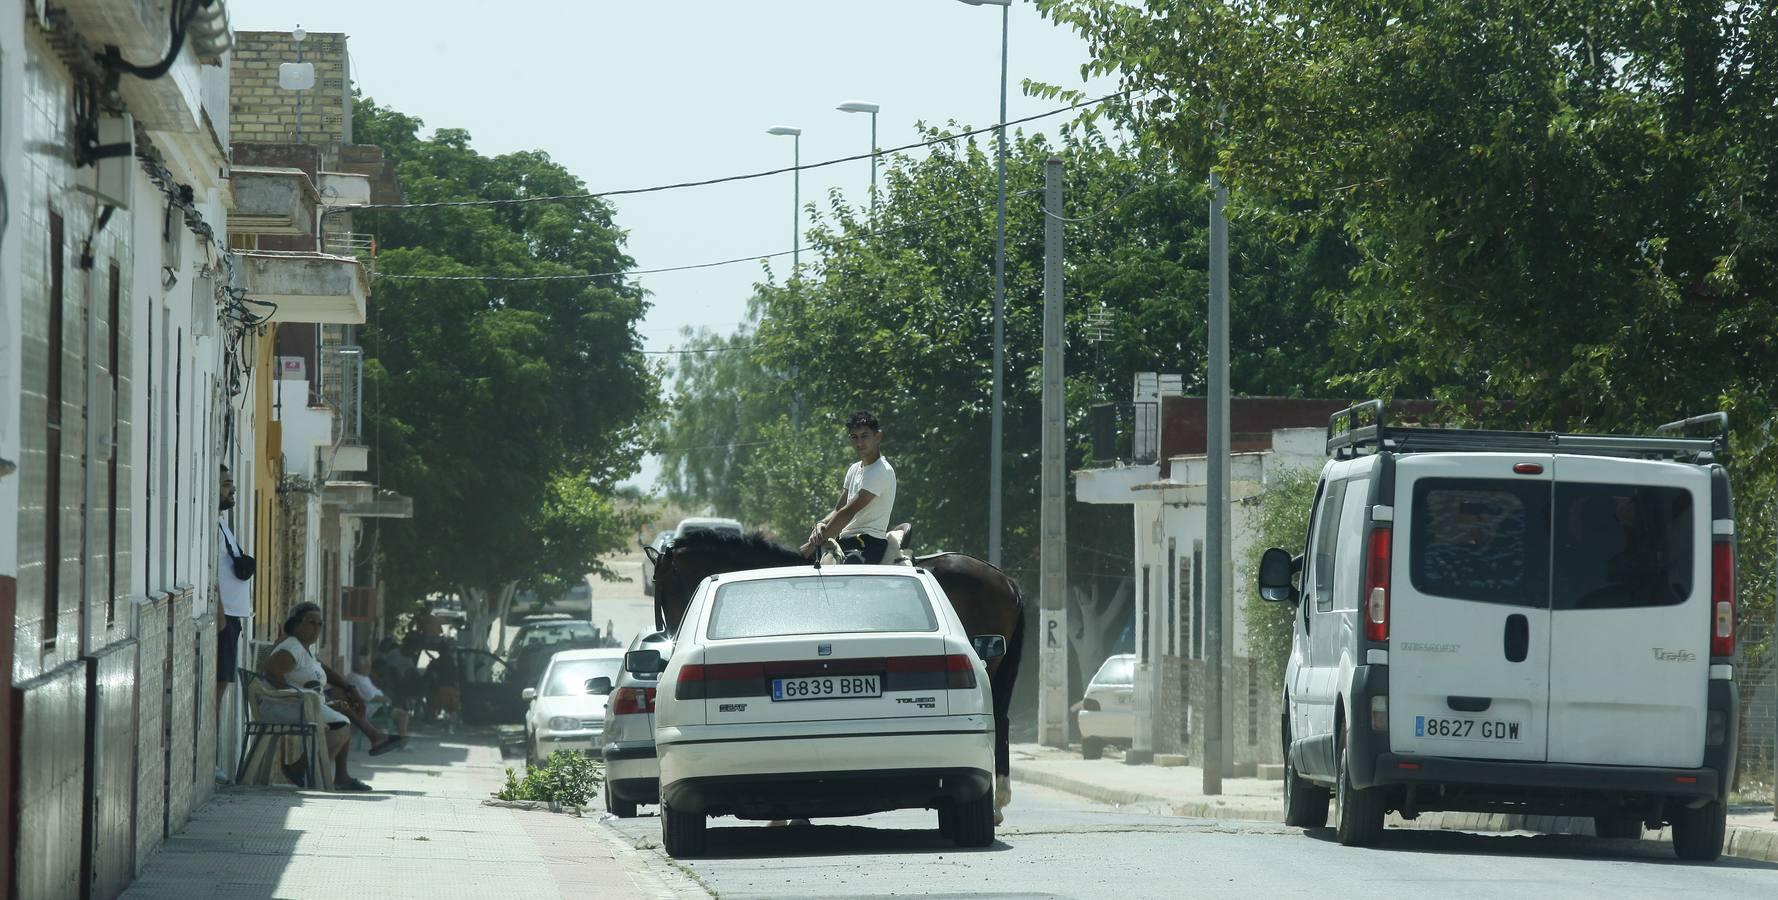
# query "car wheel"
(1091, 748)
(531, 752)
(682, 833)
(947, 820)
(1305, 804)
(1698, 833)
(1358, 814)
(617, 806)
(972, 822)
(1618, 827)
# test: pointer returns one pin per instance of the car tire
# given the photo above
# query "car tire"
(1305, 803)
(531, 752)
(1698, 833)
(682, 833)
(1091, 748)
(1358, 814)
(1618, 827)
(972, 822)
(617, 806)
(947, 820)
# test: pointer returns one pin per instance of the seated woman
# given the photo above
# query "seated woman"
(293, 664)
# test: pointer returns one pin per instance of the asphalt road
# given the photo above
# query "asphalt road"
(1055, 845)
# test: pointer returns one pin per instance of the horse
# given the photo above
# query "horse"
(986, 601)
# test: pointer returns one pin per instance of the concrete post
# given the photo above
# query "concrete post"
(1052, 698)
(1216, 513)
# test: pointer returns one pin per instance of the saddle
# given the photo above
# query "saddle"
(896, 554)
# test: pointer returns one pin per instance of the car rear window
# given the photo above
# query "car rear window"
(1481, 539)
(1120, 670)
(1620, 545)
(568, 678)
(827, 604)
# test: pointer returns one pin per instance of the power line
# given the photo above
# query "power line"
(624, 192)
(699, 350)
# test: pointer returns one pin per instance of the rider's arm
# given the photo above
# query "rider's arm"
(840, 518)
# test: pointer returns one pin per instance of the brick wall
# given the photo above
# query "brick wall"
(1253, 736)
(181, 723)
(260, 110)
(204, 707)
(151, 723)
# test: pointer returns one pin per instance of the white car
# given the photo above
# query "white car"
(1107, 713)
(1488, 620)
(567, 707)
(632, 775)
(800, 692)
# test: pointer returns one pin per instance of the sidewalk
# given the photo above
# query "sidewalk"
(422, 833)
(1753, 833)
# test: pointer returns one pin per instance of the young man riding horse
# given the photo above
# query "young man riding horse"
(867, 496)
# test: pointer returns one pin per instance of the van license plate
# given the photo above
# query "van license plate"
(827, 687)
(1466, 729)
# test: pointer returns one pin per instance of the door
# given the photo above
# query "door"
(1316, 678)
(1630, 598)
(1469, 617)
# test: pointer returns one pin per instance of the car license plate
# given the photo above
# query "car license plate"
(827, 687)
(1466, 729)
(1123, 699)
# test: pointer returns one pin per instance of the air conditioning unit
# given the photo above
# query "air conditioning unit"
(293, 368)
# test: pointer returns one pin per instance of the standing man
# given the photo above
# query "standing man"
(861, 515)
(234, 572)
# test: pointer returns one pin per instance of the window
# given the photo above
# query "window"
(1198, 599)
(1117, 670)
(1621, 546)
(1481, 539)
(824, 604)
(568, 678)
(114, 309)
(52, 445)
(1326, 544)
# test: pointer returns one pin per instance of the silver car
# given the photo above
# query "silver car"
(632, 774)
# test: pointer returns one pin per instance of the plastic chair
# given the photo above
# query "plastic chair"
(274, 716)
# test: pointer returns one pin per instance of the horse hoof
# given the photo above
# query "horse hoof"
(999, 817)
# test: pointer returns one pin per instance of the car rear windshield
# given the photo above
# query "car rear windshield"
(1118, 670)
(826, 604)
(1620, 545)
(1481, 539)
(568, 677)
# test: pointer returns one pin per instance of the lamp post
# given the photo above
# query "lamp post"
(796, 193)
(859, 106)
(995, 434)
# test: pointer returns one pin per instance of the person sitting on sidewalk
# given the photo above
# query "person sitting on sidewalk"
(293, 664)
(374, 698)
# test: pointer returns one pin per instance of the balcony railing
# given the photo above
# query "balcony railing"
(354, 244)
(342, 391)
(1126, 432)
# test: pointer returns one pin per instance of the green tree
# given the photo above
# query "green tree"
(507, 410)
(1283, 521)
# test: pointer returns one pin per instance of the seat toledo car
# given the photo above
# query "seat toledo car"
(567, 707)
(632, 775)
(801, 692)
(1107, 712)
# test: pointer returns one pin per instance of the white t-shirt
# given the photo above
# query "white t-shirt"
(879, 479)
(237, 595)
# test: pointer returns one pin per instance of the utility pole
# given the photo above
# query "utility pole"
(1052, 697)
(1216, 508)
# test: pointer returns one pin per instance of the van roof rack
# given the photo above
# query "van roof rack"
(1350, 431)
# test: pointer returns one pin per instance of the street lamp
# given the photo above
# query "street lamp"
(995, 434)
(796, 193)
(859, 106)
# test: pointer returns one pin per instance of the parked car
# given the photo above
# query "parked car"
(1541, 622)
(659, 543)
(575, 600)
(541, 638)
(797, 692)
(632, 774)
(568, 704)
(1107, 712)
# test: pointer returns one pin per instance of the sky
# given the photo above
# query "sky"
(645, 92)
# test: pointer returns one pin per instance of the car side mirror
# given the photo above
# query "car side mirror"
(644, 662)
(1275, 570)
(989, 646)
(528, 694)
(599, 685)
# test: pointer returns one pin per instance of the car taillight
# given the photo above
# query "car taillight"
(1722, 598)
(630, 700)
(1376, 586)
(959, 673)
(690, 685)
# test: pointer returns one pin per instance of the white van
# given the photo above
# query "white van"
(1514, 622)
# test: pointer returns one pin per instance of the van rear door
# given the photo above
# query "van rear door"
(1469, 618)
(1630, 623)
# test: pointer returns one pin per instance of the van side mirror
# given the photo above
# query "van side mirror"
(598, 685)
(1275, 570)
(644, 662)
(989, 646)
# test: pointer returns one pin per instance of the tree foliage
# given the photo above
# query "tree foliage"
(508, 411)
(1283, 521)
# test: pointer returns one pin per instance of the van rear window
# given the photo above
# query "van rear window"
(1481, 539)
(827, 604)
(1620, 545)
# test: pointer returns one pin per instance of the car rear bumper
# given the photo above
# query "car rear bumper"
(1107, 724)
(635, 790)
(1397, 768)
(826, 794)
(633, 762)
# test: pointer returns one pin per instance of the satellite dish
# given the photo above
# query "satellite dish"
(296, 76)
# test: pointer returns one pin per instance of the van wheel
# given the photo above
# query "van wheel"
(617, 806)
(1358, 814)
(1619, 827)
(1698, 833)
(1305, 804)
(947, 820)
(1091, 748)
(972, 822)
(682, 833)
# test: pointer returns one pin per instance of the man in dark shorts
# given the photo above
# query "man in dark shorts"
(234, 592)
(860, 517)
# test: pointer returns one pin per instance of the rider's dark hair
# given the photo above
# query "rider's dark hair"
(862, 419)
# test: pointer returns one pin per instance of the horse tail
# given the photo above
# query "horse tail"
(1005, 676)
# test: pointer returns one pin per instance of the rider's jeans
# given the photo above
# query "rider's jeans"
(862, 549)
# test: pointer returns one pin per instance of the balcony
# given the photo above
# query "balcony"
(139, 29)
(307, 287)
(357, 245)
(343, 190)
(272, 201)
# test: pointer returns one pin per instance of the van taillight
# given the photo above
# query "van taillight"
(630, 700)
(690, 685)
(1376, 586)
(1722, 598)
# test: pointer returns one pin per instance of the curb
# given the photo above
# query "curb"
(1740, 842)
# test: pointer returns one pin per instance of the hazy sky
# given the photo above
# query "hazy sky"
(643, 92)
